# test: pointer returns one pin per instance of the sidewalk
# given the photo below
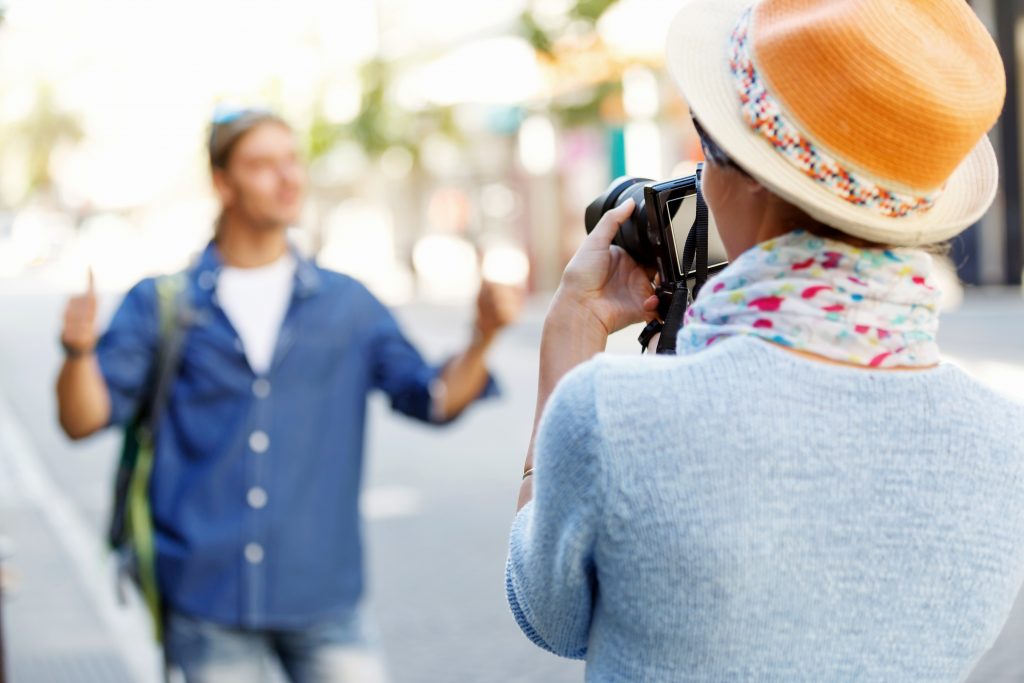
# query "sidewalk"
(61, 619)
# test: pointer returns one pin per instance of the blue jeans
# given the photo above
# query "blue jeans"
(340, 650)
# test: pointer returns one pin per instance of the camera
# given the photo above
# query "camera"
(669, 232)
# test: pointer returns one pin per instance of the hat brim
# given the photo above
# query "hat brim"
(698, 60)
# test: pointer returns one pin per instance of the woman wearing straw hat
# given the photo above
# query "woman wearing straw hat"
(807, 492)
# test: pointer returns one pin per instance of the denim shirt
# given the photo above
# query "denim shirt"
(255, 488)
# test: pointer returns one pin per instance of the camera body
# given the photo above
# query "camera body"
(668, 231)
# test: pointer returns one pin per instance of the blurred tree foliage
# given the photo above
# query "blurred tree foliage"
(565, 41)
(377, 126)
(543, 36)
(46, 128)
(382, 123)
(36, 136)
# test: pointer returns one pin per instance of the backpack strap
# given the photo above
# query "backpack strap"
(175, 317)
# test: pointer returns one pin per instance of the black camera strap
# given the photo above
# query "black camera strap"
(697, 244)
(673, 321)
(695, 250)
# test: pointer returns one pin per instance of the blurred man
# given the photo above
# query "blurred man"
(259, 457)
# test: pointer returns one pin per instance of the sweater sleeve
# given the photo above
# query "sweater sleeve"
(550, 575)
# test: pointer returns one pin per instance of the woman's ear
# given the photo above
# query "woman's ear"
(750, 184)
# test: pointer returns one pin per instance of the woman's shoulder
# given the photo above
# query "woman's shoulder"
(744, 368)
(730, 360)
(980, 402)
(629, 386)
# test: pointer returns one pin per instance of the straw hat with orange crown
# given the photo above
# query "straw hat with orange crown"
(870, 115)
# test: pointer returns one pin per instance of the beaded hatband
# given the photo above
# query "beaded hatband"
(764, 114)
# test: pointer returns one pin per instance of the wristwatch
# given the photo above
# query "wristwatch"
(75, 352)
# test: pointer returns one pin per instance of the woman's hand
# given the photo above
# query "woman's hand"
(602, 291)
(603, 280)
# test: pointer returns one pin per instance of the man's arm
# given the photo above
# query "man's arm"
(465, 377)
(82, 397)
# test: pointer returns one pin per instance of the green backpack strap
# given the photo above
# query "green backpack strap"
(173, 312)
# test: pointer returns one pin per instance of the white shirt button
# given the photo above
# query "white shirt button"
(259, 442)
(261, 388)
(253, 553)
(257, 497)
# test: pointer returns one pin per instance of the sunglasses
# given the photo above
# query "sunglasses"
(223, 114)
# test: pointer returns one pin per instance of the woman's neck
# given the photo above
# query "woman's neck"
(829, 361)
(825, 299)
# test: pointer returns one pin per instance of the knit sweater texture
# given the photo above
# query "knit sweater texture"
(746, 514)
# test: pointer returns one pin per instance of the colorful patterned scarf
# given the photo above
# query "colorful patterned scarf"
(872, 307)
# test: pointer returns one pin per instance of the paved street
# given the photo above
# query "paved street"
(439, 501)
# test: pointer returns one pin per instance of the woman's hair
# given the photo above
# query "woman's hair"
(714, 153)
(718, 156)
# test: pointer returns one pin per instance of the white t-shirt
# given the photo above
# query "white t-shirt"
(256, 300)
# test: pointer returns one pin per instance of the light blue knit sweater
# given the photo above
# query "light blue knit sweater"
(745, 514)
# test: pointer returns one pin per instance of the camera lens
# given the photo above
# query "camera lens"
(635, 234)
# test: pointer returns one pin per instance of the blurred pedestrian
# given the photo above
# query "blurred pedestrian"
(259, 452)
(808, 493)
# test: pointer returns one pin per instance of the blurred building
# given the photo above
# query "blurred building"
(993, 251)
